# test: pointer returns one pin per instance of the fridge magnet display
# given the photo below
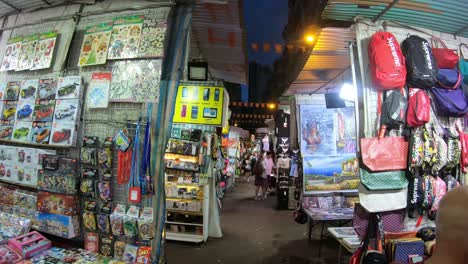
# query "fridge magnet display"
(26, 54)
(44, 51)
(29, 89)
(125, 38)
(44, 110)
(6, 129)
(117, 220)
(66, 110)
(63, 133)
(119, 250)
(105, 191)
(143, 255)
(40, 133)
(69, 87)
(103, 223)
(56, 203)
(47, 89)
(9, 110)
(12, 91)
(24, 110)
(91, 242)
(130, 253)
(88, 156)
(89, 221)
(95, 45)
(98, 90)
(105, 157)
(21, 131)
(136, 81)
(87, 188)
(106, 246)
(153, 36)
(12, 50)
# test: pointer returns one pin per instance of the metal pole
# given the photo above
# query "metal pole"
(356, 93)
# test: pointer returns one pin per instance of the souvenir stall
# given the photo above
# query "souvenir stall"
(413, 136)
(191, 160)
(75, 162)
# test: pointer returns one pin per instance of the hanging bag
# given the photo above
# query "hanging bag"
(419, 108)
(416, 146)
(445, 57)
(392, 221)
(394, 108)
(382, 201)
(421, 65)
(387, 180)
(449, 78)
(386, 61)
(449, 103)
(463, 63)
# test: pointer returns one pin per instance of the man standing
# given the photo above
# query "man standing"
(268, 165)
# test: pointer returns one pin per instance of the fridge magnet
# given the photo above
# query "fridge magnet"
(21, 131)
(44, 51)
(40, 133)
(12, 91)
(66, 110)
(9, 110)
(47, 89)
(98, 91)
(12, 50)
(153, 36)
(26, 54)
(63, 134)
(44, 110)
(125, 38)
(29, 89)
(69, 87)
(24, 110)
(6, 130)
(95, 45)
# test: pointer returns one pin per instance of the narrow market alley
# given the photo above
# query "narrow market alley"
(255, 232)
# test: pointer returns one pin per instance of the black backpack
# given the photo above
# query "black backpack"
(421, 66)
(394, 109)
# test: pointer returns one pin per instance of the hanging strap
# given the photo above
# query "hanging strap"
(436, 40)
(136, 150)
(461, 50)
(146, 152)
(124, 166)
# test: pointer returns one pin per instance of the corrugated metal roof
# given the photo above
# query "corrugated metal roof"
(447, 16)
(8, 7)
(328, 60)
(219, 35)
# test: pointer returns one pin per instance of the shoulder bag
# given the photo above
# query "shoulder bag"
(445, 57)
(382, 200)
(449, 103)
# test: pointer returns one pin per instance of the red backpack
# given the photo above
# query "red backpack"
(419, 108)
(464, 149)
(387, 63)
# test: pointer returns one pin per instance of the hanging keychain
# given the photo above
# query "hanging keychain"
(134, 194)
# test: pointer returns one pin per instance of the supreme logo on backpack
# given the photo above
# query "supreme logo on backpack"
(421, 66)
(394, 108)
(386, 61)
(419, 108)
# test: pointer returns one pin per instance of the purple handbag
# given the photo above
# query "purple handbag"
(449, 78)
(450, 103)
(392, 221)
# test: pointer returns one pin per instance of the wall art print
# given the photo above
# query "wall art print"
(12, 50)
(26, 55)
(153, 36)
(135, 81)
(95, 45)
(125, 38)
(98, 91)
(44, 51)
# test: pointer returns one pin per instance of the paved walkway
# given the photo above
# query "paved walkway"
(254, 233)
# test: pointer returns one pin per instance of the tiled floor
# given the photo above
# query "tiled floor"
(255, 232)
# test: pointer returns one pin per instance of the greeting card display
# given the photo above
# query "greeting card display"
(95, 45)
(44, 110)
(12, 91)
(63, 134)
(47, 89)
(125, 38)
(6, 129)
(21, 131)
(26, 55)
(153, 36)
(44, 51)
(12, 50)
(98, 90)
(69, 87)
(66, 110)
(40, 133)
(29, 89)
(24, 110)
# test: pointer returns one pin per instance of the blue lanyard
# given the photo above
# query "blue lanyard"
(146, 152)
(136, 150)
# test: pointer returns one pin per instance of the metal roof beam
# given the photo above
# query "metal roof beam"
(463, 29)
(385, 10)
(47, 2)
(11, 6)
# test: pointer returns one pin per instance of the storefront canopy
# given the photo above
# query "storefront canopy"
(19, 6)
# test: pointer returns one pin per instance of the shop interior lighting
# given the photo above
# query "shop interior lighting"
(309, 38)
(271, 106)
(348, 92)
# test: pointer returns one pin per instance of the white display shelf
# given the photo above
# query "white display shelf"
(182, 223)
(184, 212)
(185, 237)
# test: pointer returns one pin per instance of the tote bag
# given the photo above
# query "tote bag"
(445, 57)
(387, 180)
(382, 200)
